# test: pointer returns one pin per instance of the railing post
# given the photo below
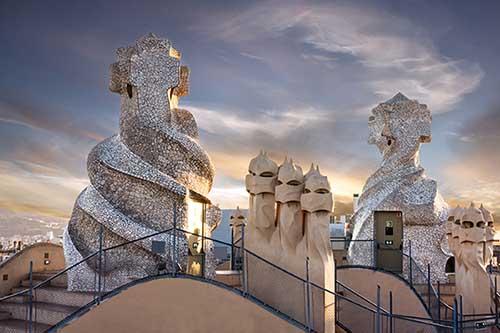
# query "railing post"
(377, 320)
(244, 259)
(454, 316)
(203, 240)
(439, 300)
(374, 254)
(174, 241)
(99, 275)
(429, 286)
(461, 318)
(104, 266)
(308, 298)
(391, 328)
(232, 247)
(30, 310)
(95, 285)
(411, 259)
(496, 302)
(336, 289)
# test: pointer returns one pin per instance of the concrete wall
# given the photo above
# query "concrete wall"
(364, 281)
(17, 266)
(178, 305)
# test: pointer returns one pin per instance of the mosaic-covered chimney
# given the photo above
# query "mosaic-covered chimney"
(398, 127)
(155, 165)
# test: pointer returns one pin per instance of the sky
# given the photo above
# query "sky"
(295, 78)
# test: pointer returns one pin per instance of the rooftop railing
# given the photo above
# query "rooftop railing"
(173, 259)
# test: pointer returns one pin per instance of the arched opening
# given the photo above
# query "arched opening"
(450, 265)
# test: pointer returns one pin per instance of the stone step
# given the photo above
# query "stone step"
(446, 288)
(45, 313)
(38, 277)
(230, 278)
(60, 281)
(45, 274)
(20, 326)
(56, 295)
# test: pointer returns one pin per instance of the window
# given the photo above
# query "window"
(450, 265)
(129, 90)
(5, 277)
(46, 255)
(389, 228)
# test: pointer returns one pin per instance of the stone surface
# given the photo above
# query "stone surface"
(154, 166)
(288, 225)
(475, 237)
(398, 127)
(237, 220)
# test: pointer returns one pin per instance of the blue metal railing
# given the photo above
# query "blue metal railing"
(383, 319)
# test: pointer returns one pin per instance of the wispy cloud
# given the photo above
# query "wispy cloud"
(472, 173)
(25, 112)
(37, 189)
(277, 124)
(395, 53)
(252, 56)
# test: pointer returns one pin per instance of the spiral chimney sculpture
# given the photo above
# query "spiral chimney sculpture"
(139, 177)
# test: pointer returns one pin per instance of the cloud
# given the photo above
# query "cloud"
(252, 56)
(394, 54)
(30, 114)
(38, 189)
(277, 124)
(230, 197)
(308, 137)
(472, 174)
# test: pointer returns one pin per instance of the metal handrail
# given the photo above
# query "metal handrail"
(90, 256)
(207, 238)
(431, 288)
(38, 285)
(413, 263)
(275, 266)
(137, 240)
(364, 298)
(382, 311)
(424, 321)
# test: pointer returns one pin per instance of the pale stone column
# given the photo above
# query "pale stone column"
(236, 221)
(490, 235)
(317, 202)
(260, 183)
(456, 249)
(289, 214)
(475, 282)
(299, 230)
(261, 278)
